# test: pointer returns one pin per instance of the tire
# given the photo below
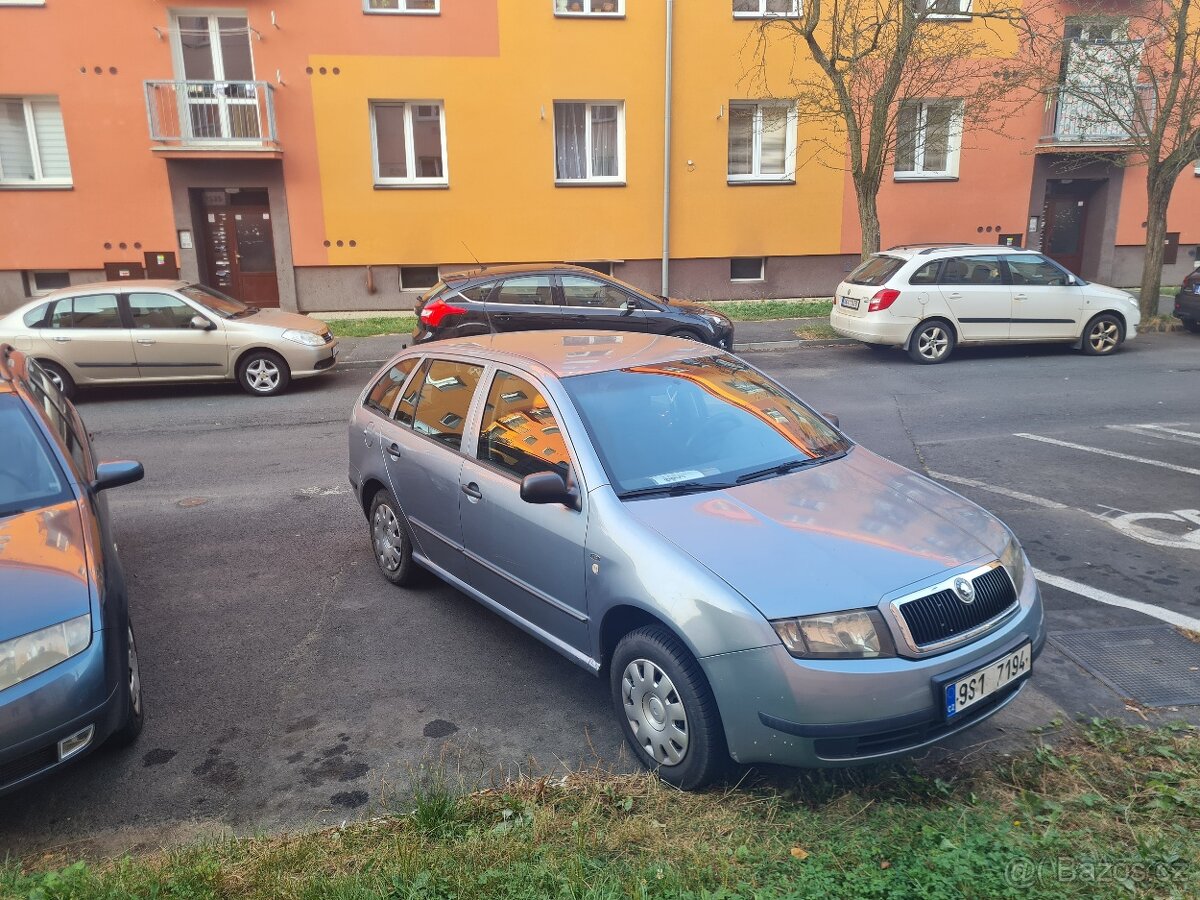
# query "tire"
(391, 543)
(1103, 335)
(932, 342)
(1192, 325)
(263, 373)
(135, 707)
(686, 334)
(60, 377)
(655, 673)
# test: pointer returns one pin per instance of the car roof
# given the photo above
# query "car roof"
(565, 353)
(940, 251)
(115, 286)
(516, 269)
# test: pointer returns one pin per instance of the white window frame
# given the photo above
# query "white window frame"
(762, 270)
(38, 180)
(763, 13)
(22, 2)
(619, 178)
(953, 147)
(403, 10)
(756, 177)
(410, 155)
(588, 11)
(964, 11)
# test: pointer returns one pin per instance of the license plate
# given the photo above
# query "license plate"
(850, 302)
(336, 350)
(982, 683)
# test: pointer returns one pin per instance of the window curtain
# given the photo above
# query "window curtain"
(937, 137)
(570, 135)
(741, 140)
(773, 159)
(52, 141)
(604, 141)
(906, 137)
(16, 158)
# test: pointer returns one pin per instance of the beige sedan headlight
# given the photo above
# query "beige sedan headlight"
(30, 654)
(860, 634)
(307, 338)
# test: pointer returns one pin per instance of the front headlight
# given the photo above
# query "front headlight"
(33, 653)
(719, 321)
(1014, 561)
(861, 634)
(307, 338)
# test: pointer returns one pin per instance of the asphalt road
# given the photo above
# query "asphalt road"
(288, 685)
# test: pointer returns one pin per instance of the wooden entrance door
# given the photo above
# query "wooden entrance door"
(241, 254)
(1064, 229)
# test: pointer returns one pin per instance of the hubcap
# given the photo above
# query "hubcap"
(56, 378)
(388, 537)
(933, 343)
(1104, 336)
(135, 677)
(262, 374)
(655, 712)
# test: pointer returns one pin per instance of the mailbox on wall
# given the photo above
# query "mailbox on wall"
(123, 271)
(161, 265)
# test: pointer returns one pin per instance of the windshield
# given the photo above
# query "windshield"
(875, 271)
(216, 302)
(701, 423)
(29, 475)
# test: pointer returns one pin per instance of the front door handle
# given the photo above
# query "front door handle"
(503, 318)
(393, 450)
(61, 340)
(472, 490)
(954, 295)
(145, 341)
(1020, 296)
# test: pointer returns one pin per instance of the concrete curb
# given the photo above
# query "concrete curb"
(758, 346)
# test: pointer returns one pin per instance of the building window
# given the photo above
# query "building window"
(604, 267)
(762, 141)
(33, 144)
(928, 137)
(39, 283)
(410, 143)
(589, 142)
(943, 9)
(418, 278)
(760, 9)
(748, 268)
(426, 7)
(589, 7)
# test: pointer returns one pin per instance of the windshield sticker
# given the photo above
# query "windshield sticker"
(676, 477)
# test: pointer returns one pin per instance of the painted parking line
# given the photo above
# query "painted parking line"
(1169, 430)
(1186, 470)
(1006, 492)
(1162, 434)
(1164, 615)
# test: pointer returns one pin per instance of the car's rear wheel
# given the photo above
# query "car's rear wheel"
(263, 373)
(666, 709)
(1103, 335)
(391, 541)
(932, 342)
(62, 380)
(135, 711)
(1192, 325)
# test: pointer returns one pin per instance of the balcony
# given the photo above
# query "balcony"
(201, 118)
(1092, 117)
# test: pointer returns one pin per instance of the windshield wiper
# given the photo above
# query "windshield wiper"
(789, 466)
(242, 313)
(677, 490)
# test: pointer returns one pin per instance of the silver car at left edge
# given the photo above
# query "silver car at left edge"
(751, 583)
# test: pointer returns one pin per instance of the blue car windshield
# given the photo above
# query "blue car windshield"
(706, 422)
(29, 475)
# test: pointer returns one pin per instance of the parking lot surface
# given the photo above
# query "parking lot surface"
(288, 685)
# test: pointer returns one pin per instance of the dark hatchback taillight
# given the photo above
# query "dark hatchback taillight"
(1191, 284)
(432, 314)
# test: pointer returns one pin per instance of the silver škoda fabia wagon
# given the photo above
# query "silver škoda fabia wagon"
(752, 583)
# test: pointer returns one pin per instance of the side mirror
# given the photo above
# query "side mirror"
(832, 419)
(628, 307)
(115, 474)
(1070, 278)
(548, 487)
(202, 323)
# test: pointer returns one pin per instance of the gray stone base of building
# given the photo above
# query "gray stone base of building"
(1127, 266)
(15, 287)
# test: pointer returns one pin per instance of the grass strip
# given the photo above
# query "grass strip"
(1107, 811)
(373, 326)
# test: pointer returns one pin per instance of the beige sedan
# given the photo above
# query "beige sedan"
(161, 331)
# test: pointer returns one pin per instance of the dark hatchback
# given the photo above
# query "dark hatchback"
(536, 298)
(69, 677)
(1187, 302)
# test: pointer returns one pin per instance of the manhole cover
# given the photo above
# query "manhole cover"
(1156, 666)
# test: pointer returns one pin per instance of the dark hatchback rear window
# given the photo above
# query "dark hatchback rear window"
(875, 271)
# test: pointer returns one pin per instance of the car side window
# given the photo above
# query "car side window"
(36, 317)
(477, 292)
(527, 290)
(91, 311)
(160, 311)
(1035, 270)
(927, 274)
(520, 435)
(579, 290)
(382, 397)
(54, 410)
(983, 270)
(444, 399)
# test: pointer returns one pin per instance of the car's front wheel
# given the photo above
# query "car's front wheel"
(666, 709)
(63, 381)
(1103, 335)
(135, 711)
(391, 541)
(263, 373)
(931, 343)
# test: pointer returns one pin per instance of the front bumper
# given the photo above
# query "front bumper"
(877, 330)
(818, 713)
(306, 362)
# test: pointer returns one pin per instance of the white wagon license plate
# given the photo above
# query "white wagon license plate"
(982, 683)
(851, 302)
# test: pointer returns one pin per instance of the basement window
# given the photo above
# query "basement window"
(748, 268)
(418, 278)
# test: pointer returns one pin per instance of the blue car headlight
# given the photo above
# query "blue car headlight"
(1015, 563)
(31, 654)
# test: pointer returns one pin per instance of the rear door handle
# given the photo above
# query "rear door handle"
(954, 295)
(61, 340)
(145, 341)
(472, 490)
(393, 450)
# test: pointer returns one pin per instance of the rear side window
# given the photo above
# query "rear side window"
(444, 399)
(876, 270)
(927, 274)
(983, 270)
(36, 317)
(383, 395)
(92, 311)
(478, 292)
(527, 290)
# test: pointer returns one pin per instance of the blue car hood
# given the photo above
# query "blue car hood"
(43, 569)
(840, 535)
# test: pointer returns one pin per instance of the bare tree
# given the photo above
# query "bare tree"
(860, 68)
(1132, 80)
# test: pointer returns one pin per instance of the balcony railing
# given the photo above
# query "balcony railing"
(212, 115)
(1092, 115)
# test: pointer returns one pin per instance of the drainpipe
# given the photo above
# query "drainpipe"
(666, 231)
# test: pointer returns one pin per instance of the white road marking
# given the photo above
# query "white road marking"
(1186, 470)
(1191, 434)
(1007, 492)
(1149, 609)
(1162, 434)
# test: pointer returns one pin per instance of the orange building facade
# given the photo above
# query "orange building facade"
(339, 154)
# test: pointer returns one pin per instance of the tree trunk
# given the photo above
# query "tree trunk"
(1158, 196)
(868, 218)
